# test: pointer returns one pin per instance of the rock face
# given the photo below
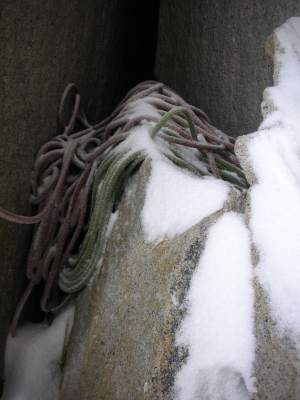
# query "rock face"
(277, 362)
(122, 341)
(213, 54)
(43, 47)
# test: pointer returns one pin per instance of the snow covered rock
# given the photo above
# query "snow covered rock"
(270, 158)
(123, 342)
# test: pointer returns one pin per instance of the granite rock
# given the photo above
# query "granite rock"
(277, 359)
(277, 363)
(122, 344)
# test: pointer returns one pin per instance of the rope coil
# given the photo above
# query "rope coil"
(69, 169)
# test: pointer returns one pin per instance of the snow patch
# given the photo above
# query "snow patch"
(141, 107)
(32, 359)
(176, 200)
(275, 200)
(286, 94)
(140, 140)
(218, 329)
(275, 205)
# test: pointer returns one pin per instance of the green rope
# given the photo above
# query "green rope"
(168, 115)
(225, 168)
(229, 167)
(171, 133)
(180, 162)
(74, 280)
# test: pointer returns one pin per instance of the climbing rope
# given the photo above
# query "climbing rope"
(78, 175)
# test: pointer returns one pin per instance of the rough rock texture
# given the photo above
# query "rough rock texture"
(43, 47)
(273, 49)
(213, 54)
(277, 363)
(122, 341)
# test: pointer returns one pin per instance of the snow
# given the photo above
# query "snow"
(176, 201)
(275, 204)
(275, 200)
(140, 107)
(191, 155)
(32, 359)
(286, 95)
(218, 329)
(140, 140)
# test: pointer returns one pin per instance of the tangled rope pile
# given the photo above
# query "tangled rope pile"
(78, 175)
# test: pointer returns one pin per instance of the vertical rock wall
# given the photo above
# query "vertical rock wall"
(105, 47)
(213, 54)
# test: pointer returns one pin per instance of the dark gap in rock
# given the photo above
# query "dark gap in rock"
(142, 27)
(139, 24)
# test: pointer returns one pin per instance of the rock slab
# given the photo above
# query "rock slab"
(277, 358)
(122, 345)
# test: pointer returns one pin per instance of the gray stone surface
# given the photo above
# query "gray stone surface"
(277, 362)
(273, 48)
(104, 47)
(122, 341)
(213, 54)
